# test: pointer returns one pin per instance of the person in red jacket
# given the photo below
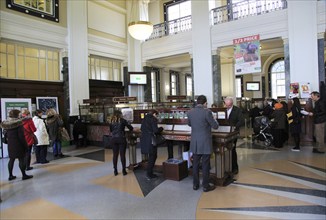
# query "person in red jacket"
(29, 129)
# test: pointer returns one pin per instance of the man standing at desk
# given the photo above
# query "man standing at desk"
(201, 121)
(236, 119)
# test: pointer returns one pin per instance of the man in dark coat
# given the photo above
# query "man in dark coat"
(236, 119)
(80, 133)
(201, 121)
(148, 129)
(17, 145)
(319, 117)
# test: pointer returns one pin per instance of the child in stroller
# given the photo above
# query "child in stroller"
(263, 130)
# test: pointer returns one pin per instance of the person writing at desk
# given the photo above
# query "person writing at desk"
(148, 128)
(236, 119)
(201, 121)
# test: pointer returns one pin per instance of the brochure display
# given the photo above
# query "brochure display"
(8, 104)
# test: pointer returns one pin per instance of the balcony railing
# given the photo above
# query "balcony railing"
(219, 15)
(171, 27)
(245, 9)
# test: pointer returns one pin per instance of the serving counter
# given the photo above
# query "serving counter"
(222, 146)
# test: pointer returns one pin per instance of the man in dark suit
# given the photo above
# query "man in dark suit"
(236, 119)
(201, 121)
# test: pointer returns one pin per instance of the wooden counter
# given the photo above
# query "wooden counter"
(222, 146)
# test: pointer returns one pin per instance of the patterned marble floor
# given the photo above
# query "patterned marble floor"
(271, 184)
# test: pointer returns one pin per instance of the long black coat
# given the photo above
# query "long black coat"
(17, 145)
(236, 118)
(295, 126)
(148, 128)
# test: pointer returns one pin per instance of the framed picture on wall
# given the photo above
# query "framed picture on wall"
(45, 103)
(48, 9)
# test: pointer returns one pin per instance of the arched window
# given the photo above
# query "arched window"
(277, 78)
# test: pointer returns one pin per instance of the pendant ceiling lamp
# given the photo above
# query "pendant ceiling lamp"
(139, 27)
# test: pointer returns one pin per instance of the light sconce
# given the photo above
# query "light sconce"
(140, 28)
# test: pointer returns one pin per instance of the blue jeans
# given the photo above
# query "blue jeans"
(56, 146)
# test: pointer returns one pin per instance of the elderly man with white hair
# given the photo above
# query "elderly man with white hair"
(235, 119)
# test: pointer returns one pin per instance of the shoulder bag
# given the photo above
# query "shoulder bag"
(158, 139)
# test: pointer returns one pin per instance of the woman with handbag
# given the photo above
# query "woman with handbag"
(54, 124)
(148, 129)
(29, 129)
(17, 145)
(118, 141)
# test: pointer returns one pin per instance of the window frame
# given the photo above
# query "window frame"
(270, 77)
(20, 57)
(177, 83)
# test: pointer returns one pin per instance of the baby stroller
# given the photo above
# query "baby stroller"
(263, 130)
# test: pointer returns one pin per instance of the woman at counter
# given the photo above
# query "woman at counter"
(119, 142)
(148, 129)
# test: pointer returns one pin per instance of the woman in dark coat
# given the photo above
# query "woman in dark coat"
(119, 142)
(279, 118)
(295, 125)
(17, 145)
(54, 124)
(148, 129)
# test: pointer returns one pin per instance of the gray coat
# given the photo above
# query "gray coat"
(201, 121)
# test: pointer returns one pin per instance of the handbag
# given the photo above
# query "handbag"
(35, 139)
(64, 136)
(289, 117)
(158, 139)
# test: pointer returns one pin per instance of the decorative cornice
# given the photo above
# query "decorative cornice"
(105, 47)
(15, 27)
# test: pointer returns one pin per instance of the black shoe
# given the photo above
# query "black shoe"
(295, 149)
(124, 172)
(61, 155)
(29, 168)
(11, 178)
(45, 162)
(26, 177)
(195, 187)
(151, 176)
(115, 172)
(317, 151)
(56, 155)
(209, 188)
(236, 171)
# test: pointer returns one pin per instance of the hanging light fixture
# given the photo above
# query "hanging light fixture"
(139, 27)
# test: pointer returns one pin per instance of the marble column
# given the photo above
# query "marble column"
(321, 57)
(217, 86)
(287, 66)
(148, 86)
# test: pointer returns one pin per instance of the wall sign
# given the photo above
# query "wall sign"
(46, 9)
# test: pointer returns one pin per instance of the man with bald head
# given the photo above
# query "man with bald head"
(236, 120)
